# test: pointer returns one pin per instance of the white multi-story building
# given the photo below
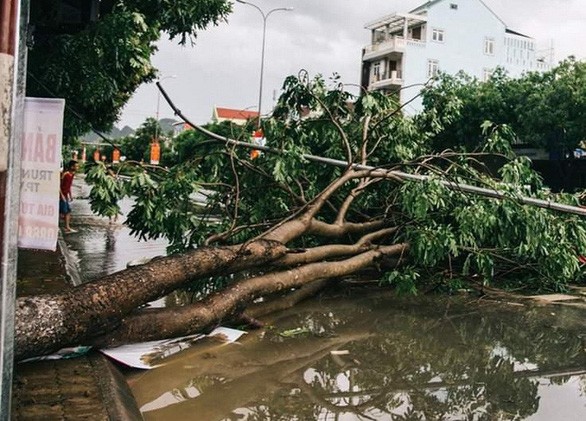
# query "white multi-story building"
(407, 49)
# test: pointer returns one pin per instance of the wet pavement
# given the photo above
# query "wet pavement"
(87, 387)
(83, 388)
(102, 246)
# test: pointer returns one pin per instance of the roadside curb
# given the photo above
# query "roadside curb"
(116, 394)
(88, 387)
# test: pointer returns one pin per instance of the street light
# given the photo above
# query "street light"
(159, 103)
(265, 16)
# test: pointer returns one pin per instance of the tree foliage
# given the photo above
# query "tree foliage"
(454, 239)
(544, 109)
(98, 68)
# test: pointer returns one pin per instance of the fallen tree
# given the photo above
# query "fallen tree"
(277, 222)
(46, 322)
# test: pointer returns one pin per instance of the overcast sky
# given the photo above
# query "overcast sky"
(321, 36)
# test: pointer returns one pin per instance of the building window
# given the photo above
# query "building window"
(376, 71)
(486, 74)
(453, 6)
(432, 68)
(437, 35)
(489, 46)
(416, 33)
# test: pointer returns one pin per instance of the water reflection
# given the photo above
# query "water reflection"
(103, 246)
(383, 358)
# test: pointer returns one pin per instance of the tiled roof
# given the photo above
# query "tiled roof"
(232, 114)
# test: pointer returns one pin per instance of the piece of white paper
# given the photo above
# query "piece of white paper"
(147, 355)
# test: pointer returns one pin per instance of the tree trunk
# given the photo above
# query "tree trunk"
(152, 324)
(46, 323)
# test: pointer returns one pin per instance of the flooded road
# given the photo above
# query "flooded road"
(359, 356)
(379, 357)
(102, 246)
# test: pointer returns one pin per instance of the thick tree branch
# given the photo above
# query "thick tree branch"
(173, 322)
(96, 307)
(334, 230)
(293, 228)
(333, 251)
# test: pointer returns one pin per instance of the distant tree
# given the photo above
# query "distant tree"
(543, 109)
(137, 146)
(97, 69)
(188, 144)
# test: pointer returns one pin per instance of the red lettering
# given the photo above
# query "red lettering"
(39, 152)
(37, 148)
(51, 146)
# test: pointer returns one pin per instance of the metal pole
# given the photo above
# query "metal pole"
(157, 116)
(262, 64)
(159, 104)
(13, 24)
(377, 172)
(262, 55)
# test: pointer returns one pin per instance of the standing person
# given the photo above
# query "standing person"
(65, 195)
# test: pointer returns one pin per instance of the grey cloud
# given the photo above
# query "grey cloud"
(323, 36)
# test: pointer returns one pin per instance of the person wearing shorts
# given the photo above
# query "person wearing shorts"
(65, 196)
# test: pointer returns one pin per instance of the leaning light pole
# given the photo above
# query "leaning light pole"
(265, 16)
(159, 103)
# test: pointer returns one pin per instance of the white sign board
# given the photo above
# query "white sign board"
(38, 222)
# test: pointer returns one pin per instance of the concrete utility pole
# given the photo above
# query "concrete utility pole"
(379, 172)
(13, 22)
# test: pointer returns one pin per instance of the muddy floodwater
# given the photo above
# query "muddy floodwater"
(360, 356)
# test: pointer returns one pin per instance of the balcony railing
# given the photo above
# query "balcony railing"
(392, 45)
(386, 80)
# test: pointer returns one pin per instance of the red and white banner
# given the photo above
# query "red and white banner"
(258, 138)
(38, 222)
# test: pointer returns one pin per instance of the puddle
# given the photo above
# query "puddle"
(102, 246)
(368, 358)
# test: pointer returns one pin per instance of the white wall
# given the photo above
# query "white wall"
(465, 31)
